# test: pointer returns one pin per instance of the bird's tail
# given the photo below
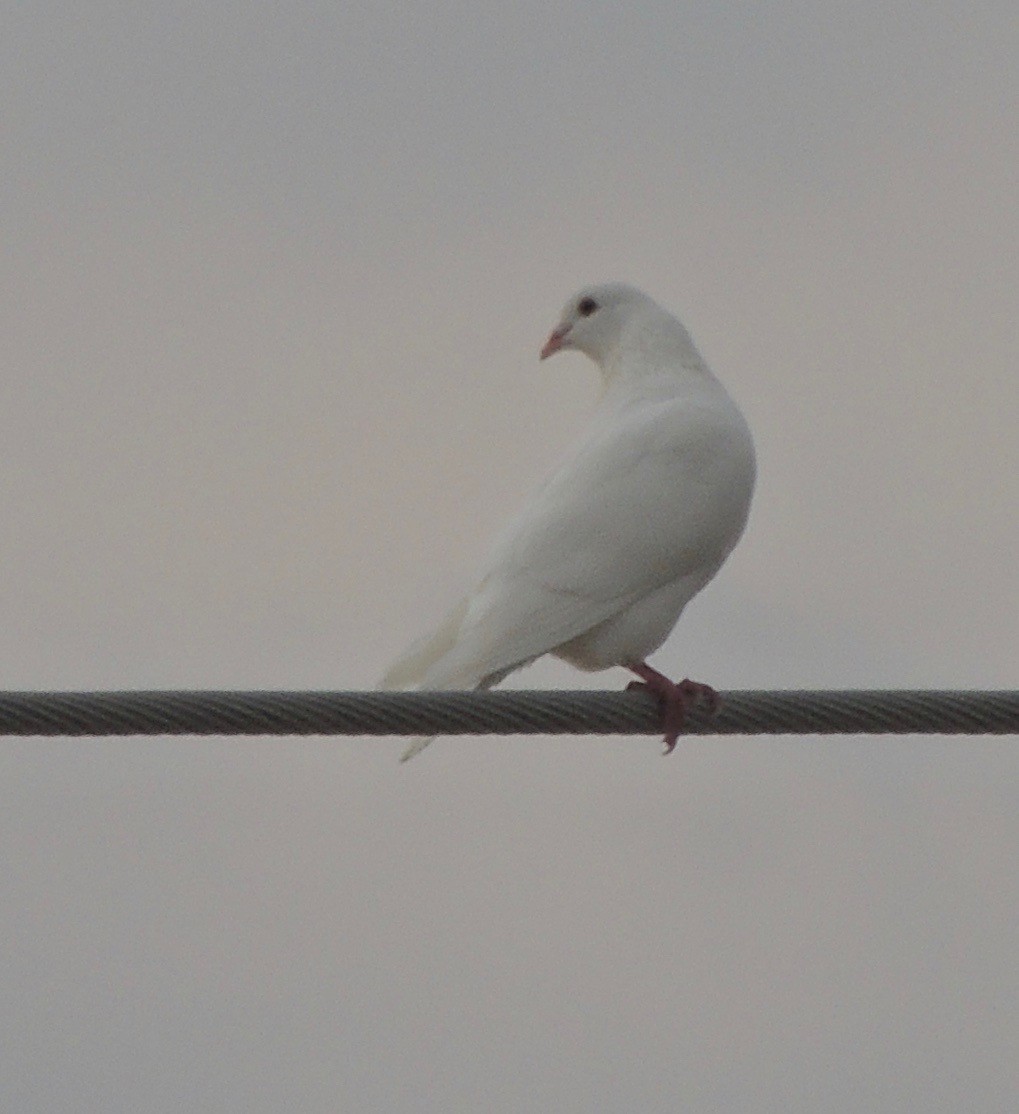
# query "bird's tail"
(422, 666)
(417, 746)
(408, 671)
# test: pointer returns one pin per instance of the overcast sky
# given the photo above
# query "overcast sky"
(275, 279)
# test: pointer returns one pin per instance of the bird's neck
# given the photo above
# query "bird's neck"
(652, 343)
(668, 365)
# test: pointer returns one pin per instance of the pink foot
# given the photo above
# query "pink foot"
(674, 698)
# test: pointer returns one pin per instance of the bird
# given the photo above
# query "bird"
(600, 563)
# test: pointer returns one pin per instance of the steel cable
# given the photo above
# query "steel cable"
(851, 712)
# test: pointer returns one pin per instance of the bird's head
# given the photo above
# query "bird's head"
(593, 320)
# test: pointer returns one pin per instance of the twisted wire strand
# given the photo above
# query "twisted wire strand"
(859, 712)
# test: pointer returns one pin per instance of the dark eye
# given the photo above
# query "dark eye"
(586, 306)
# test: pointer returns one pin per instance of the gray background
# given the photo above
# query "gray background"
(274, 282)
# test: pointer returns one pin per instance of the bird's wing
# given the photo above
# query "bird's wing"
(659, 494)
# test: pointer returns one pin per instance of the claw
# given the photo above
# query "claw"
(673, 698)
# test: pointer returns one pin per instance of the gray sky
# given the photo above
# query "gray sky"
(274, 283)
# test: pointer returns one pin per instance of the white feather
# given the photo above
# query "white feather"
(600, 564)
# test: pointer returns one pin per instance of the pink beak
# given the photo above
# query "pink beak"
(554, 342)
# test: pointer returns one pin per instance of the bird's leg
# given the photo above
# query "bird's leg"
(674, 698)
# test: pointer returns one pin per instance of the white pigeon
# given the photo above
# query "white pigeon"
(602, 561)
